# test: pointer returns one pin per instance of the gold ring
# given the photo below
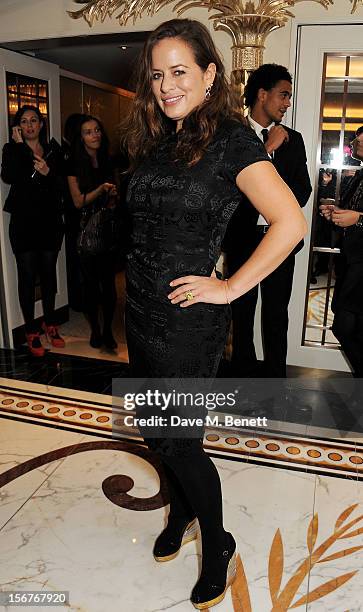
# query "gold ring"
(188, 295)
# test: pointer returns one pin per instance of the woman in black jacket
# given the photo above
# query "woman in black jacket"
(36, 230)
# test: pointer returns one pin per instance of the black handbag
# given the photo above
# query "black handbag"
(100, 229)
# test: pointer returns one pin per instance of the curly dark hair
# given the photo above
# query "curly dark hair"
(147, 123)
(43, 134)
(265, 77)
(81, 160)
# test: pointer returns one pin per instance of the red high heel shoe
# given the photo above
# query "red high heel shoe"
(53, 336)
(35, 346)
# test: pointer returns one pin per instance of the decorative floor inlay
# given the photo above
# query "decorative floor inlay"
(308, 453)
(62, 411)
(294, 451)
(285, 598)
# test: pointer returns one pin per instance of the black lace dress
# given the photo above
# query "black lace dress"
(179, 216)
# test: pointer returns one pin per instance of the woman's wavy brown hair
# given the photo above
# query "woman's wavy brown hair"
(147, 124)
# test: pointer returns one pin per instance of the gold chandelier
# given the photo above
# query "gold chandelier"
(247, 21)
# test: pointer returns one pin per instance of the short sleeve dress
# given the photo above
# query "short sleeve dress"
(179, 217)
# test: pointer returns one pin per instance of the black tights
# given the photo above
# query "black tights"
(194, 489)
(348, 329)
(193, 480)
(98, 275)
(29, 265)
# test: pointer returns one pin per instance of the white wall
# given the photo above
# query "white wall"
(279, 42)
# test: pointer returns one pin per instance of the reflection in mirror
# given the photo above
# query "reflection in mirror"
(356, 66)
(341, 114)
(332, 122)
(354, 116)
(335, 66)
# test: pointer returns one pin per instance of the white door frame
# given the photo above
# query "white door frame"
(11, 61)
(305, 119)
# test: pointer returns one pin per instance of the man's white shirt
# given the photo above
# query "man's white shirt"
(258, 129)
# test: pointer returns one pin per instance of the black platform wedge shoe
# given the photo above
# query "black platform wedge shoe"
(172, 538)
(211, 589)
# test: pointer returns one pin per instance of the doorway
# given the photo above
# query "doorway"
(327, 109)
(90, 75)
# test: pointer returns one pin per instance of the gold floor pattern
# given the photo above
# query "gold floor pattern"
(308, 454)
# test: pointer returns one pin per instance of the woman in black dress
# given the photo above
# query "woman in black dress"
(191, 155)
(34, 169)
(91, 184)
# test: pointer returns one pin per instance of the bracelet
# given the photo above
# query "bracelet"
(226, 288)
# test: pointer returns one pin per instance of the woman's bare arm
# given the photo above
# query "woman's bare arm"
(81, 199)
(276, 202)
(271, 196)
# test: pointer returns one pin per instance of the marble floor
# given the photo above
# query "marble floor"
(79, 510)
(66, 371)
(76, 331)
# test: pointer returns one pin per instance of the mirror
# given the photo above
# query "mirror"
(341, 114)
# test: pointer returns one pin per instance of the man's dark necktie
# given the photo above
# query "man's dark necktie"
(264, 133)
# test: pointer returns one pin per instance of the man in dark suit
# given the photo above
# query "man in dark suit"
(267, 95)
(348, 293)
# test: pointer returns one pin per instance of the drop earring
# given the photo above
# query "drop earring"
(207, 91)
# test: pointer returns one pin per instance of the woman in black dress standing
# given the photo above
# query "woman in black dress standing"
(191, 156)
(91, 184)
(34, 171)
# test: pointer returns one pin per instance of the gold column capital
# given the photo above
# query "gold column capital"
(98, 10)
(355, 4)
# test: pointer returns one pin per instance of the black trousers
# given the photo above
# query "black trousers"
(31, 264)
(275, 295)
(98, 276)
(348, 329)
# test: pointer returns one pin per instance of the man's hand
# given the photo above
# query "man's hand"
(345, 218)
(326, 208)
(276, 137)
(326, 178)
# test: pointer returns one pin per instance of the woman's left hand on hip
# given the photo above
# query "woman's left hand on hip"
(191, 290)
